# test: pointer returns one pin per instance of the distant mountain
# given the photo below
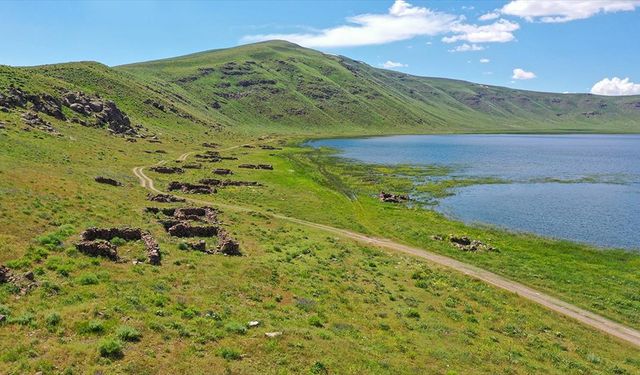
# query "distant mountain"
(280, 86)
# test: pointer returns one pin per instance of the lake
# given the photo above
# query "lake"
(584, 188)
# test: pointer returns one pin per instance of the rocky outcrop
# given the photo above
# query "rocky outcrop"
(107, 181)
(256, 166)
(222, 171)
(392, 198)
(186, 187)
(105, 112)
(164, 198)
(43, 103)
(32, 120)
(98, 248)
(210, 145)
(167, 170)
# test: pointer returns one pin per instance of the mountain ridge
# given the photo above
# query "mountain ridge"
(282, 87)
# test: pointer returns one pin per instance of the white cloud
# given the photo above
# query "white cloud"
(553, 11)
(616, 86)
(467, 47)
(498, 32)
(402, 21)
(522, 74)
(393, 65)
(489, 16)
(485, 61)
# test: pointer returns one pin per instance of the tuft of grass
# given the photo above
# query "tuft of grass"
(88, 279)
(130, 334)
(110, 348)
(91, 327)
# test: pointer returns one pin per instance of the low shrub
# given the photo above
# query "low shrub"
(130, 334)
(230, 354)
(110, 348)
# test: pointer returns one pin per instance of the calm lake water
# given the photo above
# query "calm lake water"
(597, 200)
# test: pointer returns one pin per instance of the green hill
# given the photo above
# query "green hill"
(280, 83)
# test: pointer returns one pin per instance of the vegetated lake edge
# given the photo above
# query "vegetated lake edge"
(456, 182)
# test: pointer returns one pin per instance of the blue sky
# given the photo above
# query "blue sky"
(546, 45)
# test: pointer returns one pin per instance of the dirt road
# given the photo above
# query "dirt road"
(596, 321)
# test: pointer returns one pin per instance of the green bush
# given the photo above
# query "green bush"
(413, 314)
(110, 348)
(130, 334)
(230, 354)
(53, 320)
(88, 279)
(183, 246)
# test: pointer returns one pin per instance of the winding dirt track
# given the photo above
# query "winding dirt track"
(588, 318)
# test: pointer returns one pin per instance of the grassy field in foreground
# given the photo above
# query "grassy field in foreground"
(342, 307)
(342, 194)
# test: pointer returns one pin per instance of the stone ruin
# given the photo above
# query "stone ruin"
(107, 181)
(96, 242)
(222, 171)
(167, 170)
(209, 157)
(392, 198)
(465, 243)
(221, 183)
(190, 222)
(186, 187)
(269, 147)
(24, 282)
(164, 198)
(256, 166)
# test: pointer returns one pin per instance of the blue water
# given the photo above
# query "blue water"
(598, 201)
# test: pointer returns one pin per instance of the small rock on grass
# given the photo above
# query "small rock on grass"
(253, 323)
(273, 334)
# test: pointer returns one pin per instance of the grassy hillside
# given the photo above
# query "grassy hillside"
(341, 306)
(275, 83)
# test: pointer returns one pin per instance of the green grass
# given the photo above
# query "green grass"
(342, 307)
